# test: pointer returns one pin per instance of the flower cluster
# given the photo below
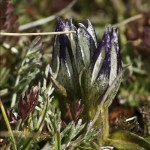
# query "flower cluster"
(85, 67)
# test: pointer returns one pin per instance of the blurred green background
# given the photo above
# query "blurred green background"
(131, 17)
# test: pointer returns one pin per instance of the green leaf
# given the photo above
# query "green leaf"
(125, 145)
(28, 69)
(127, 141)
(4, 72)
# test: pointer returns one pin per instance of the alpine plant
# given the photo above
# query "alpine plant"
(83, 68)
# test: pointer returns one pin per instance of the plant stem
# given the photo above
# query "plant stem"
(103, 123)
(35, 34)
(128, 20)
(57, 139)
(47, 19)
(7, 124)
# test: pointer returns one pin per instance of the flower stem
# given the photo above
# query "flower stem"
(103, 123)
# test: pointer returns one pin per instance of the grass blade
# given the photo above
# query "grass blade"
(8, 124)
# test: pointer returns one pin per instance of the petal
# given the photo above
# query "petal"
(101, 60)
(56, 45)
(91, 30)
(60, 25)
(87, 44)
(106, 43)
(116, 44)
(115, 57)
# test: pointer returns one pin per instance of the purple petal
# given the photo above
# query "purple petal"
(115, 41)
(106, 46)
(60, 25)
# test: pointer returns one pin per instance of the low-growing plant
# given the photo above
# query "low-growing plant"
(64, 105)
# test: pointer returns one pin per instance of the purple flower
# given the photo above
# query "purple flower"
(86, 68)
